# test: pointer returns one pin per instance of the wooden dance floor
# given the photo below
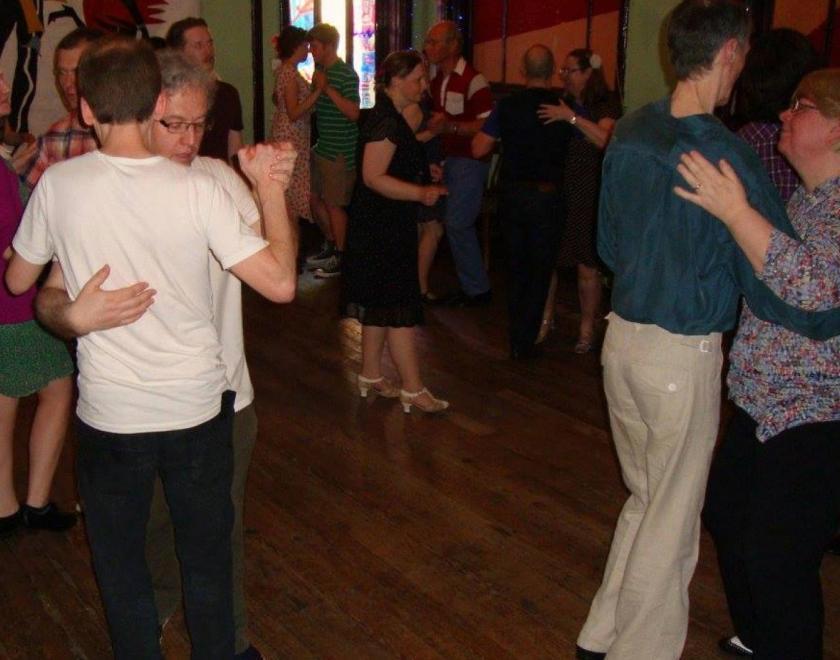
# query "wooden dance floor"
(374, 534)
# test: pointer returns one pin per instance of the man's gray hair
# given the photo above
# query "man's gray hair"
(177, 72)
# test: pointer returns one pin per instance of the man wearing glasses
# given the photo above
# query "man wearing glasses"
(152, 399)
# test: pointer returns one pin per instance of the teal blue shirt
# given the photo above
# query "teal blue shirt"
(675, 265)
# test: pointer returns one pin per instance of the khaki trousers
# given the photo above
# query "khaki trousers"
(663, 392)
(160, 540)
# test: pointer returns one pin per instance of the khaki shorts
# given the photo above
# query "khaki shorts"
(331, 181)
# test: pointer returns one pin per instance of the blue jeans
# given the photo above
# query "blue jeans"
(116, 475)
(465, 178)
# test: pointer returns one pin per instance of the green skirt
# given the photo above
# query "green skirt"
(30, 358)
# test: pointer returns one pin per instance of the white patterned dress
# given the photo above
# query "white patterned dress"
(296, 132)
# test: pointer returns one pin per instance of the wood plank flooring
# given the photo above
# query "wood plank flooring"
(374, 534)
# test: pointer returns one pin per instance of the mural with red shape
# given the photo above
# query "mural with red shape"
(122, 15)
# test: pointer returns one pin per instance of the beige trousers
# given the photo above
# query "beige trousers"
(663, 392)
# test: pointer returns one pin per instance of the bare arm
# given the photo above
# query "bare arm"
(440, 124)
(348, 108)
(482, 144)
(375, 162)
(21, 275)
(94, 308)
(598, 133)
(272, 272)
(294, 109)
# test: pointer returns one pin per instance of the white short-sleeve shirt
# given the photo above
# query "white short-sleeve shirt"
(227, 290)
(151, 220)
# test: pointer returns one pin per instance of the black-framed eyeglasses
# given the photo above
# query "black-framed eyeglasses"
(180, 127)
(565, 71)
(797, 105)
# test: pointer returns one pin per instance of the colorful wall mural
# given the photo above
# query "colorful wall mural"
(30, 30)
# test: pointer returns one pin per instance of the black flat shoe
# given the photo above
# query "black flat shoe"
(48, 517)
(734, 646)
(8, 524)
(583, 654)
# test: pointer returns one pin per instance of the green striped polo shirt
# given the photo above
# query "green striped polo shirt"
(337, 135)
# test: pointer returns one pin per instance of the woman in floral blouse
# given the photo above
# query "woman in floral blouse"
(773, 501)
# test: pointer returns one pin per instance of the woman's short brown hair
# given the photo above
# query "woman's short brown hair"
(823, 88)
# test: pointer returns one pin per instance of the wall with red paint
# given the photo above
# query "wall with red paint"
(810, 18)
(559, 24)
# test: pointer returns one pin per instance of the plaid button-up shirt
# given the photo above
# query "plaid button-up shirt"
(764, 138)
(65, 139)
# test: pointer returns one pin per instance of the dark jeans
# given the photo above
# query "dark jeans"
(772, 509)
(116, 474)
(160, 536)
(532, 221)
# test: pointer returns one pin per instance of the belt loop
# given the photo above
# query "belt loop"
(705, 346)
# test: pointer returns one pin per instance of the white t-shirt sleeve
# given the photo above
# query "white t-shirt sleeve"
(239, 191)
(32, 240)
(229, 239)
(243, 199)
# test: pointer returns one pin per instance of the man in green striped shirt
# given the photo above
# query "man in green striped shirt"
(334, 155)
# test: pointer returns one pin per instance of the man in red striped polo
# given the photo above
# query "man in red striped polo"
(462, 101)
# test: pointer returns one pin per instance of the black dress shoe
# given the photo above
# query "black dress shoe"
(734, 646)
(8, 524)
(47, 517)
(583, 654)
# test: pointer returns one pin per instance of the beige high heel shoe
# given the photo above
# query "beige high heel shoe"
(380, 386)
(409, 399)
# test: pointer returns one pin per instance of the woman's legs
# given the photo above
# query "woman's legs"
(47, 438)
(373, 342)
(8, 413)
(404, 354)
(589, 293)
(430, 235)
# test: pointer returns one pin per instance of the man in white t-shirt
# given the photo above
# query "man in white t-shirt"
(150, 391)
(177, 134)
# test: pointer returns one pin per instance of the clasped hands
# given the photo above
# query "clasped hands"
(266, 162)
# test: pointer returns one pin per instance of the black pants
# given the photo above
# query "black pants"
(772, 508)
(116, 475)
(532, 221)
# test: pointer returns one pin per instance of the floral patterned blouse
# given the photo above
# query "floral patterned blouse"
(781, 378)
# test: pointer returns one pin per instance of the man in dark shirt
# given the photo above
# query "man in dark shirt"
(530, 203)
(678, 278)
(223, 137)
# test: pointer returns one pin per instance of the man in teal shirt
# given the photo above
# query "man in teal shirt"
(678, 279)
(334, 156)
